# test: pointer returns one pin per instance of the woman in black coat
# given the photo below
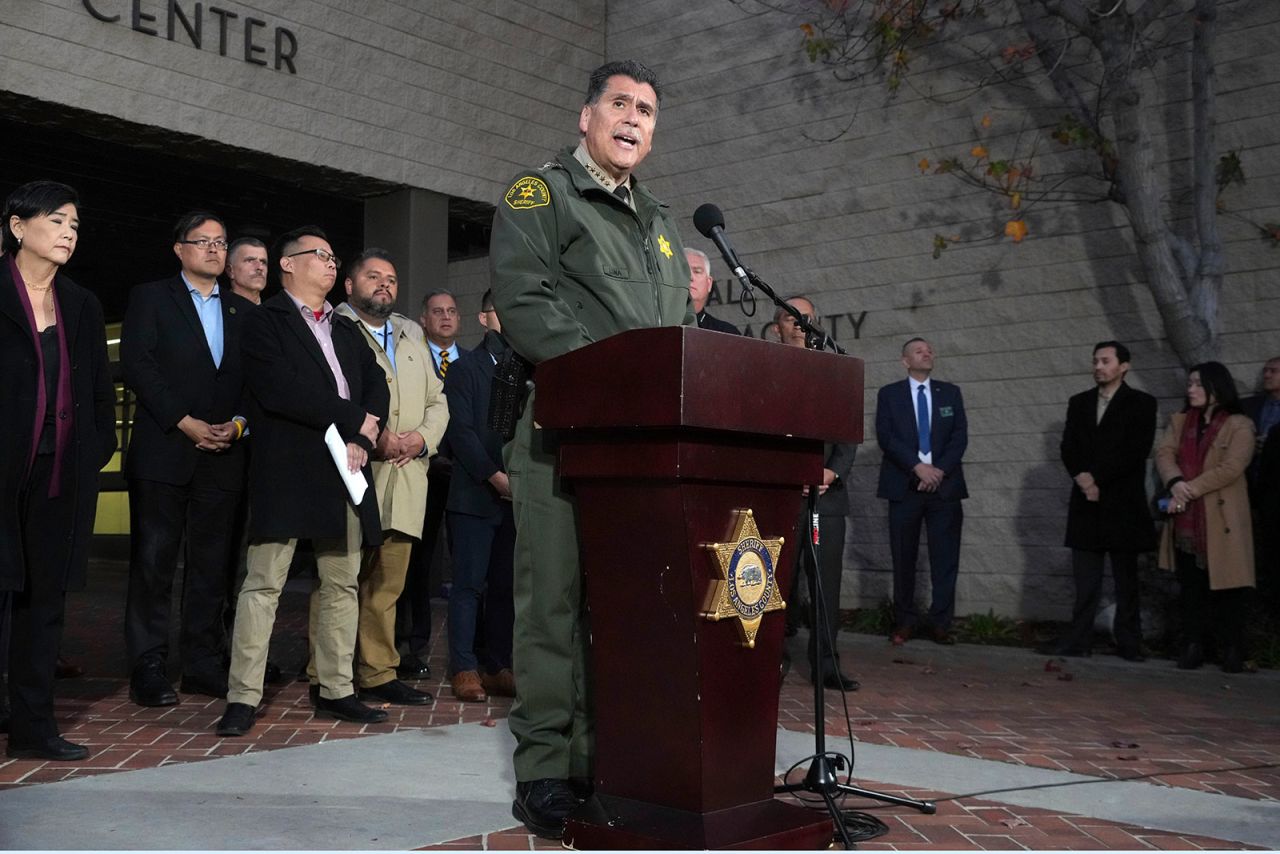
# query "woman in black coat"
(57, 416)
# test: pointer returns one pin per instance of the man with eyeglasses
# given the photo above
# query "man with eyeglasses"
(308, 368)
(185, 463)
(414, 429)
(440, 324)
(247, 268)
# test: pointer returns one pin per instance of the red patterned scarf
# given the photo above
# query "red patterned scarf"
(1189, 526)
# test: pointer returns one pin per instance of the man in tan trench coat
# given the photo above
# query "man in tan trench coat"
(415, 425)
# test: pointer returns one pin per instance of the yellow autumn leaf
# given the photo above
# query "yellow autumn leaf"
(923, 164)
(1015, 201)
(986, 121)
(978, 151)
(1015, 228)
(807, 29)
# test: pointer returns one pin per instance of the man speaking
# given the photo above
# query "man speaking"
(580, 251)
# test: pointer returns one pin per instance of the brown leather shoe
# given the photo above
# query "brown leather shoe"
(467, 687)
(500, 684)
(900, 635)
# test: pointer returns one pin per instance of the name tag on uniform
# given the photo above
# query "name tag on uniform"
(945, 411)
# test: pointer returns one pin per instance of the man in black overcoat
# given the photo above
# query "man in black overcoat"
(185, 462)
(1105, 445)
(307, 368)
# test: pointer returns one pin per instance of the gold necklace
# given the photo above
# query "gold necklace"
(47, 287)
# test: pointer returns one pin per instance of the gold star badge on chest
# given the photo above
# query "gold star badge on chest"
(664, 245)
(747, 586)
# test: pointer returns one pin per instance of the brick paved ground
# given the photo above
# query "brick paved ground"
(1100, 717)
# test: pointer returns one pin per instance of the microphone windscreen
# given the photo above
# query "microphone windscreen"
(707, 217)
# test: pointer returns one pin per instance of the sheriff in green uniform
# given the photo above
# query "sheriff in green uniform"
(580, 251)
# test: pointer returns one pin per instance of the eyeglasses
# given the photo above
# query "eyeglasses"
(325, 257)
(205, 244)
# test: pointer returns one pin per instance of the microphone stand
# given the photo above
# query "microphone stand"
(821, 778)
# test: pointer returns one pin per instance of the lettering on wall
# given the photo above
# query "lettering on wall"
(848, 323)
(235, 34)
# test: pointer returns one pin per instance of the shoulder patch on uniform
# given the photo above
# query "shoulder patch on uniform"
(528, 192)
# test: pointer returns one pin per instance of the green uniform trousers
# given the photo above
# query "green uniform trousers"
(551, 718)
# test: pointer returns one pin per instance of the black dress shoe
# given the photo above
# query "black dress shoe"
(543, 805)
(237, 719)
(149, 686)
(209, 684)
(840, 682)
(349, 708)
(55, 748)
(396, 692)
(943, 636)
(412, 667)
(582, 787)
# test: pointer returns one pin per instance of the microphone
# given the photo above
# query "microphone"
(710, 224)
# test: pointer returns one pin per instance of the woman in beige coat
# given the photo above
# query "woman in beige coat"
(1207, 537)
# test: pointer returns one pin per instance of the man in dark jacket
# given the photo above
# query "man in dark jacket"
(700, 283)
(309, 369)
(1105, 444)
(481, 525)
(180, 352)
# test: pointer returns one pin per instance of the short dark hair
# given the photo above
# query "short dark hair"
(911, 341)
(1218, 385)
(243, 241)
(36, 198)
(190, 220)
(353, 266)
(288, 242)
(438, 292)
(637, 71)
(1122, 352)
(486, 300)
(780, 312)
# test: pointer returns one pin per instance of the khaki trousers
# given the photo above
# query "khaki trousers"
(382, 574)
(333, 631)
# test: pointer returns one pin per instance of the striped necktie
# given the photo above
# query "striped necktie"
(444, 363)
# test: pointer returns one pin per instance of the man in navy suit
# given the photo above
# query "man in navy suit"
(481, 525)
(186, 463)
(923, 432)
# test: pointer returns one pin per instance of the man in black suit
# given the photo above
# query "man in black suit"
(923, 432)
(308, 369)
(180, 351)
(833, 509)
(482, 526)
(1264, 484)
(1105, 444)
(700, 283)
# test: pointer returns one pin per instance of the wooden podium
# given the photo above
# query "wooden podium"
(664, 434)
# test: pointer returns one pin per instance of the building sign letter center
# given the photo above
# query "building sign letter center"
(747, 584)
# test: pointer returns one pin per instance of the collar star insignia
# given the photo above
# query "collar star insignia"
(747, 584)
(663, 245)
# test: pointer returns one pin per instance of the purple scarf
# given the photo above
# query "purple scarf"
(62, 406)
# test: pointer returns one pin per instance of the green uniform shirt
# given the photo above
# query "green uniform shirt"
(573, 264)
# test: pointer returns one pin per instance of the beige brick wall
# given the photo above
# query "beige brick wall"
(750, 125)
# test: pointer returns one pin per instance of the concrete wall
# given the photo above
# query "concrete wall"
(446, 96)
(822, 194)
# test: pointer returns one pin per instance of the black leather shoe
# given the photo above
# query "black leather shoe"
(55, 748)
(209, 684)
(582, 788)
(412, 667)
(943, 636)
(349, 709)
(149, 686)
(543, 805)
(396, 692)
(1192, 657)
(840, 682)
(237, 719)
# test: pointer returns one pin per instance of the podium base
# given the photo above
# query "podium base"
(606, 822)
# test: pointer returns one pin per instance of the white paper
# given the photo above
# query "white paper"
(355, 480)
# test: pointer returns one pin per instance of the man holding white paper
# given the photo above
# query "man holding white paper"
(307, 368)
